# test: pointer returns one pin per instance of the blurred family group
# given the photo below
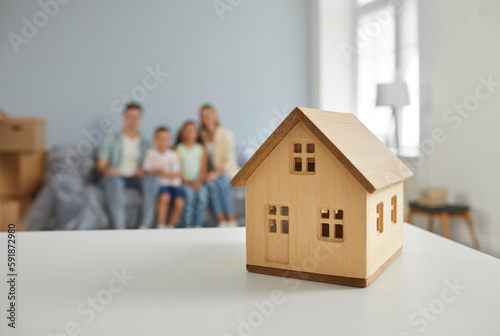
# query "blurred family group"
(175, 179)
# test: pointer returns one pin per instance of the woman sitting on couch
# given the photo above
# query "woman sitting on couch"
(219, 144)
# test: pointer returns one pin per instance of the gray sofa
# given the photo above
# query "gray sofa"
(72, 197)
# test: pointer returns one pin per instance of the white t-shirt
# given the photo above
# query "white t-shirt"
(131, 154)
(169, 161)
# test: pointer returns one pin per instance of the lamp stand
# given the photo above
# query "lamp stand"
(396, 127)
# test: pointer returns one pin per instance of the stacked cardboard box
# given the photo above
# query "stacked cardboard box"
(433, 197)
(11, 212)
(22, 166)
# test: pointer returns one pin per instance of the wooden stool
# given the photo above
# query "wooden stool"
(444, 212)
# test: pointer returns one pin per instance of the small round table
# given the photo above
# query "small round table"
(444, 213)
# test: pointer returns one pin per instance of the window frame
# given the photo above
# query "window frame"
(394, 209)
(380, 218)
(278, 217)
(304, 156)
(332, 222)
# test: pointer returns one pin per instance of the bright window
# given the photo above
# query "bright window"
(364, 2)
(387, 50)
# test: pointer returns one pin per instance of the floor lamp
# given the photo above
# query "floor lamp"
(395, 95)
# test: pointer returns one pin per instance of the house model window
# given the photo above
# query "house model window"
(394, 209)
(302, 158)
(277, 219)
(380, 217)
(331, 224)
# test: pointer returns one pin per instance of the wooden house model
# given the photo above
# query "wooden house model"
(324, 200)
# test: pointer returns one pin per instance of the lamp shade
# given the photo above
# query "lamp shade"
(392, 94)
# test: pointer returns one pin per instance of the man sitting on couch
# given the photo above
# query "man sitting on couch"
(120, 158)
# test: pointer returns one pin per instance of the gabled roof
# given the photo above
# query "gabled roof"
(357, 149)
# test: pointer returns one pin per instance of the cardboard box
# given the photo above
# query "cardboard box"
(24, 203)
(22, 134)
(21, 174)
(12, 212)
(433, 197)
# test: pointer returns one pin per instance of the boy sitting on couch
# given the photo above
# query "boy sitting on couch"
(165, 163)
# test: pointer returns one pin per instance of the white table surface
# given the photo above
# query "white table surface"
(194, 282)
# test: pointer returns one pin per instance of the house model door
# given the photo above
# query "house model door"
(277, 233)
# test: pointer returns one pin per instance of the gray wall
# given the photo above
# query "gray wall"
(251, 64)
(458, 46)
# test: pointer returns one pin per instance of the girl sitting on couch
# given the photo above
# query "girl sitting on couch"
(194, 169)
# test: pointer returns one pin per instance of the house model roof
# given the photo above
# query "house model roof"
(372, 164)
